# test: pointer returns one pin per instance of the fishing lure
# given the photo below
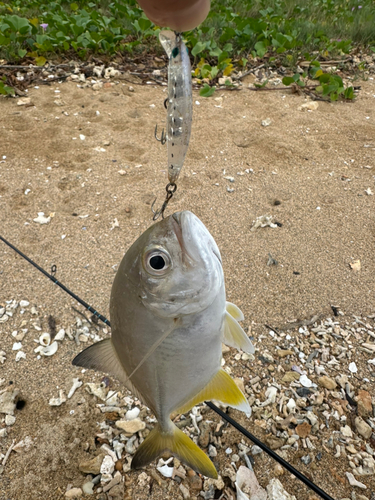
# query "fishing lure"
(180, 101)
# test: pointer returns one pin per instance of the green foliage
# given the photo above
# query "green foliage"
(4, 89)
(279, 30)
(330, 85)
(207, 91)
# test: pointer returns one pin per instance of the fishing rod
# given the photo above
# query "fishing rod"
(213, 407)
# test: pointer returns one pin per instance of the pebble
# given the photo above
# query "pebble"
(7, 397)
(346, 431)
(266, 122)
(274, 442)
(91, 466)
(130, 427)
(305, 381)
(87, 488)
(303, 430)
(353, 482)
(282, 353)
(256, 450)
(185, 492)
(327, 382)
(132, 414)
(363, 428)
(212, 452)
(364, 403)
(74, 493)
(276, 491)
(247, 484)
(10, 420)
(107, 466)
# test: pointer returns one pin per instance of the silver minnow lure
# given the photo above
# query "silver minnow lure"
(180, 101)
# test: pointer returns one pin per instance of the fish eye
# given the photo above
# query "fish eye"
(157, 262)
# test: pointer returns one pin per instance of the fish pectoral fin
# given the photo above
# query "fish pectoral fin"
(234, 311)
(220, 388)
(101, 356)
(179, 444)
(234, 336)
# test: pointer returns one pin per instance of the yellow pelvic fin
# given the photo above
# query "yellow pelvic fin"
(179, 444)
(221, 388)
(234, 336)
(234, 311)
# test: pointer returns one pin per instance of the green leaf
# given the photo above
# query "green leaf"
(260, 48)
(74, 6)
(325, 78)
(40, 61)
(296, 77)
(198, 47)
(22, 53)
(288, 80)
(144, 24)
(349, 93)
(207, 91)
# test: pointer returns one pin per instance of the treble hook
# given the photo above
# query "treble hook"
(163, 138)
(171, 189)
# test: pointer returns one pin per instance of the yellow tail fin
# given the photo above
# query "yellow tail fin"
(178, 443)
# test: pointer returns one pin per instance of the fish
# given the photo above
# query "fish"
(169, 317)
(180, 101)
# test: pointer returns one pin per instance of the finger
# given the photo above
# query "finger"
(179, 15)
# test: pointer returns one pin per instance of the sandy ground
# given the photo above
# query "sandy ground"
(307, 169)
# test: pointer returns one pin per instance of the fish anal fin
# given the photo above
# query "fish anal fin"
(102, 357)
(220, 388)
(179, 444)
(234, 311)
(234, 336)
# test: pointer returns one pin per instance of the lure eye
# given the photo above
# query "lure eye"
(157, 262)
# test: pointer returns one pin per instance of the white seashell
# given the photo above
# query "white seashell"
(166, 471)
(98, 390)
(76, 383)
(45, 339)
(58, 401)
(48, 350)
(60, 334)
(24, 303)
(20, 355)
(131, 414)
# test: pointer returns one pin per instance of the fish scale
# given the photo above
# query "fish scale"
(180, 101)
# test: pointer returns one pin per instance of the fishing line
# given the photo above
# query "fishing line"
(213, 407)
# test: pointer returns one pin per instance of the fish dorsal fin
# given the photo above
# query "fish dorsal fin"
(221, 388)
(102, 357)
(234, 311)
(168, 40)
(179, 444)
(234, 336)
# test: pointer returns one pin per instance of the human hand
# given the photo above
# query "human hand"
(179, 15)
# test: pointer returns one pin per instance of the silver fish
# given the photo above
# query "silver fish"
(180, 101)
(169, 317)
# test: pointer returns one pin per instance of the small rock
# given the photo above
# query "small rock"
(185, 492)
(353, 367)
(274, 442)
(10, 420)
(364, 404)
(282, 353)
(346, 431)
(353, 482)
(305, 381)
(278, 470)
(87, 488)
(275, 491)
(91, 466)
(290, 377)
(24, 101)
(266, 122)
(212, 451)
(195, 483)
(74, 493)
(130, 427)
(41, 219)
(247, 484)
(24, 303)
(204, 437)
(7, 397)
(303, 430)
(355, 265)
(327, 382)
(256, 450)
(310, 106)
(306, 459)
(363, 428)
(107, 466)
